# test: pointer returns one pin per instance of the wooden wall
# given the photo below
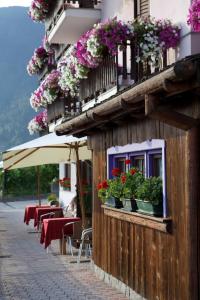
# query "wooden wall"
(157, 265)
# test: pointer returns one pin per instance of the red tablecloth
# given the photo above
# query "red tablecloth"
(30, 212)
(52, 229)
(41, 211)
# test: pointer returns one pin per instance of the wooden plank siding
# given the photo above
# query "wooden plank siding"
(157, 265)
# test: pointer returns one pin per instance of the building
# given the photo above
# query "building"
(150, 115)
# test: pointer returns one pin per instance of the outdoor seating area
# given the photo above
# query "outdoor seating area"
(50, 224)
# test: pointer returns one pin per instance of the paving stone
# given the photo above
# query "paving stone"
(29, 273)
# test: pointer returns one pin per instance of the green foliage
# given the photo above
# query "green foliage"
(24, 181)
(52, 197)
(150, 190)
(132, 181)
(115, 188)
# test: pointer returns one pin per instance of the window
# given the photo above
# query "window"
(148, 157)
(156, 165)
(67, 170)
(141, 8)
(138, 162)
(120, 163)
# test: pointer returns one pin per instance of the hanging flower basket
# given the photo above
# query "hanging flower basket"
(38, 10)
(194, 15)
(39, 124)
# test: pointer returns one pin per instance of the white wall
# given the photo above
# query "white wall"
(65, 197)
(123, 9)
(177, 11)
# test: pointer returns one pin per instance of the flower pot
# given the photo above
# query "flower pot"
(148, 208)
(114, 202)
(129, 204)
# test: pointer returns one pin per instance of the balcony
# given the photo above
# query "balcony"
(71, 19)
(113, 76)
(62, 109)
(116, 74)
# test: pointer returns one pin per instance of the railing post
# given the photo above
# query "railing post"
(164, 58)
(133, 61)
(117, 69)
(124, 60)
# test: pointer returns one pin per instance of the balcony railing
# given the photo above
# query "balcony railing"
(115, 74)
(68, 20)
(112, 76)
(65, 107)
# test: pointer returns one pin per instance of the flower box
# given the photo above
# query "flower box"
(114, 202)
(148, 208)
(129, 204)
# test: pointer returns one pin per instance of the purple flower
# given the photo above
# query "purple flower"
(194, 15)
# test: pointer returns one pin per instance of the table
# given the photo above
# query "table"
(52, 229)
(45, 210)
(30, 212)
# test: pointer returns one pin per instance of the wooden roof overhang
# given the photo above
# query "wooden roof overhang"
(155, 98)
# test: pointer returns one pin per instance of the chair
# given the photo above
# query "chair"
(45, 216)
(68, 237)
(65, 210)
(86, 240)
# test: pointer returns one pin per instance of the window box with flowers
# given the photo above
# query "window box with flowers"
(65, 183)
(148, 158)
(149, 196)
(119, 192)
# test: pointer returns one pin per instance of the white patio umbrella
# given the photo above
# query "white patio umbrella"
(49, 149)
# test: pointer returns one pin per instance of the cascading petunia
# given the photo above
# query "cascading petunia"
(38, 10)
(38, 123)
(194, 15)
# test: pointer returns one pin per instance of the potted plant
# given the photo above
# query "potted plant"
(52, 199)
(110, 191)
(130, 180)
(149, 196)
(65, 183)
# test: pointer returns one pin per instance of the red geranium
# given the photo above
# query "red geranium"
(99, 186)
(116, 172)
(102, 185)
(105, 184)
(127, 161)
(133, 171)
(123, 179)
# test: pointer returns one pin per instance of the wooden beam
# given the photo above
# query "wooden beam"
(183, 70)
(167, 115)
(94, 117)
(174, 88)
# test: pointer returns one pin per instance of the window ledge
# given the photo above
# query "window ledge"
(161, 224)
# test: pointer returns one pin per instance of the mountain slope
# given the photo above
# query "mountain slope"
(19, 36)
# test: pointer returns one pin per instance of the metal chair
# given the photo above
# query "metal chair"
(44, 216)
(86, 241)
(68, 237)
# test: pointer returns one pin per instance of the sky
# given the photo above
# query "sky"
(5, 3)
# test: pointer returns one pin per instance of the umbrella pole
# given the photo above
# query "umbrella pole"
(38, 184)
(80, 188)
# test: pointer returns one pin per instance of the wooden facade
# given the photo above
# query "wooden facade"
(157, 265)
(158, 258)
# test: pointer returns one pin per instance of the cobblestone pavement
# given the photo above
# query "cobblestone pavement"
(27, 272)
